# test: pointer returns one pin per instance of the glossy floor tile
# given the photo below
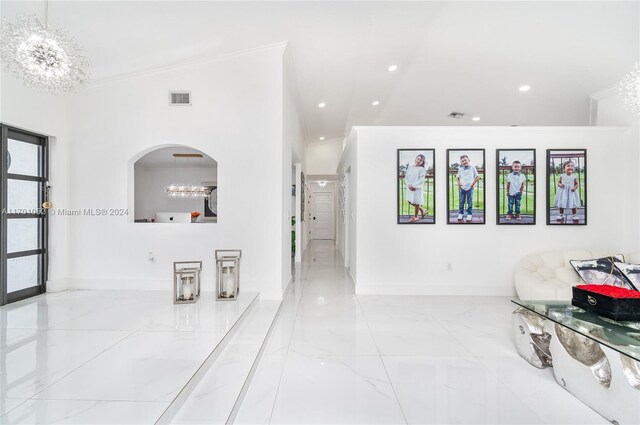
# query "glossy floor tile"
(213, 398)
(414, 338)
(84, 412)
(147, 366)
(332, 357)
(338, 358)
(46, 356)
(8, 404)
(257, 405)
(454, 390)
(537, 387)
(337, 389)
(104, 356)
(12, 336)
(332, 336)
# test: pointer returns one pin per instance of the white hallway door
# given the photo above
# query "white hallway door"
(322, 215)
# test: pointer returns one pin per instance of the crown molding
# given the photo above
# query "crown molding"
(604, 93)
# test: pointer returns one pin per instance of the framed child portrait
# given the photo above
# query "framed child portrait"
(516, 186)
(566, 186)
(466, 186)
(416, 174)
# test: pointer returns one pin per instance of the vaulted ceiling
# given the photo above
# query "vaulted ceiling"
(469, 57)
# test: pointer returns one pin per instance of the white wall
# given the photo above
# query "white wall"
(150, 184)
(347, 229)
(323, 157)
(607, 108)
(45, 114)
(412, 259)
(293, 133)
(236, 118)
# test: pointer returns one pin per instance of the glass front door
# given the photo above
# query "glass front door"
(23, 229)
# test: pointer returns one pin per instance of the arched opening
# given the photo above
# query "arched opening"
(175, 184)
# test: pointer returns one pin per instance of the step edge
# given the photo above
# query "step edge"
(254, 367)
(178, 401)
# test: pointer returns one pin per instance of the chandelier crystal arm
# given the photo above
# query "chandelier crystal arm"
(630, 89)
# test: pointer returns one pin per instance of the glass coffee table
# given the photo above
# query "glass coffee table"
(595, 358)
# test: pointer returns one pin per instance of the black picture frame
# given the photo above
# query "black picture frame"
(479, 208)
(404, 210)
(555, 159)
(504, 159)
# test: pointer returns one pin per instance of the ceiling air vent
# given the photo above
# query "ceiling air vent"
(456, 115)
(179, 98)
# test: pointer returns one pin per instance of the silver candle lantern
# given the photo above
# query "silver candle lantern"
(186, 281)
(228, 274)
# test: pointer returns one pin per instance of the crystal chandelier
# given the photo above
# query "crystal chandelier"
(43, 56)
(187, 191)
(630, 89)
(179, 191)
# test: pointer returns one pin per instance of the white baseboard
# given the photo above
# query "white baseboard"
(125, 284)
(474, 290)
(164, 285)
(284, 290)
(353, 281)
(57, 285)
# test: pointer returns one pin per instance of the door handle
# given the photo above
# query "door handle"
(314, 218)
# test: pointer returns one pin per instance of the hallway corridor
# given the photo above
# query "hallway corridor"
(335, 357)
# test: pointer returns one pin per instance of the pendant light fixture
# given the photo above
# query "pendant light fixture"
(186, 191)
(43, 56)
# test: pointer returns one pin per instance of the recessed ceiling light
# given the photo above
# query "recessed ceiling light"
(375, 103)
(476, 118)
(321, 105)
(321, 137)
(393, 68)
(525, 88)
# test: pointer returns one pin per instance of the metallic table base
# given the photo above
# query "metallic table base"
(603, 379)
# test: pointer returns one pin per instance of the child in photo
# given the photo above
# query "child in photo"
(515, 187)
(414, 181)
(567, 196)
(467, 177)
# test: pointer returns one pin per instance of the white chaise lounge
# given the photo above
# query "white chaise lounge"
(548, 275)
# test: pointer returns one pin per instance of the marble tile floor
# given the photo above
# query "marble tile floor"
(337, 358)
(212, 400)
(332, 358)
(104, 356)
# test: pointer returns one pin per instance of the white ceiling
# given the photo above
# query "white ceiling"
(163, 158)
(469, 57)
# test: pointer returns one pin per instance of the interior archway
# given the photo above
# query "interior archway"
(175, 184)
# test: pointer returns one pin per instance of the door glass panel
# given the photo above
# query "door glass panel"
(23, 158)
(22, 272)
(23, 176)
(22, 234)
(22, 195)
